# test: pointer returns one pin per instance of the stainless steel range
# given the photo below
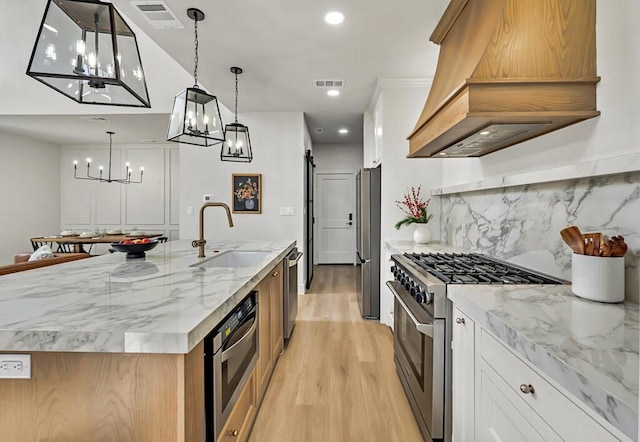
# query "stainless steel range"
(422, 325)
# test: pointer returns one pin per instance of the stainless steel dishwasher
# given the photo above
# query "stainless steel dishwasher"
(290, 280)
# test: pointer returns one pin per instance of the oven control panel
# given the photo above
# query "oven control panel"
(409, 283)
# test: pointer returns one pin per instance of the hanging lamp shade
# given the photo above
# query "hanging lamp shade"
(86, 51)
(237, 144)
(195, 117)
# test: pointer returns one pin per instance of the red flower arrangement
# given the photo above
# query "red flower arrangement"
(414, 208)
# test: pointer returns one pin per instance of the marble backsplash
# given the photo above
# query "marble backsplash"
(522, 223)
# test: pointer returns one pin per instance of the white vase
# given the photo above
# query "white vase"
(421, 235)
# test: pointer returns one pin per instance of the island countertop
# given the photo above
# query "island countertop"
(107, 304)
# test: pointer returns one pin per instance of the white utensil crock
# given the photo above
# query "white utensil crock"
(598, 278)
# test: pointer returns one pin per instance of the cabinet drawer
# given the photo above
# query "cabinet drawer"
(504, 416)
(241, 417)
(561, 413)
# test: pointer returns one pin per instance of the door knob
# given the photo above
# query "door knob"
(459, 320)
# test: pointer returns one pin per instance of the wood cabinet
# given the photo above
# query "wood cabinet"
(270, 328)
(135, 397)
(239, 423)
(498, 396)
(277, 312)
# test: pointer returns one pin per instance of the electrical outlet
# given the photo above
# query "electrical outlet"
(16, 366)
(189, 210)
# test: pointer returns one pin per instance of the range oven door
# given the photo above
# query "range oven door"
(419, 349)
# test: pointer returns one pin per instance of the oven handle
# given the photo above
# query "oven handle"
(425, 329)
(248, 335)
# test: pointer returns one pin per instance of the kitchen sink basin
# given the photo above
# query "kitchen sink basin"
(234, 258)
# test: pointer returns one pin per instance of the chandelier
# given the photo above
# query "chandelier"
(87, 52)
(195, 118)
(237, 144)
(101, 177)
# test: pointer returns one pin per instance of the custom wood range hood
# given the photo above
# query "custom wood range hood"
(508, 71)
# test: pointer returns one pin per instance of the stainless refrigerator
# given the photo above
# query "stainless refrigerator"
(368, 241)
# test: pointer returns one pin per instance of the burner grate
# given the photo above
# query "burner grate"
(472, 268)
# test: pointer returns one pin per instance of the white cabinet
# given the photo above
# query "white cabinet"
(463, 377)
(497, 396)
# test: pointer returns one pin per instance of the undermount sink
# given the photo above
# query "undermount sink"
(234, 258)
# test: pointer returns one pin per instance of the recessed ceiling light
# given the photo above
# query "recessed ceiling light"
(334, 18)
(333, 92)
(344, 131)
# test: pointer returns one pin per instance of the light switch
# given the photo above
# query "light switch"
(286, 211)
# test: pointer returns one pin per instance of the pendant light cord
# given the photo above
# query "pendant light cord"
(236, 97)
(195, 58)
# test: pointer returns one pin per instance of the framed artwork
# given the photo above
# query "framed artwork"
(247, 192)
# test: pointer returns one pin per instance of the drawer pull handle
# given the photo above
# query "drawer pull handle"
(526, 389)
(232, 433)
(459, 320)
(275, 274)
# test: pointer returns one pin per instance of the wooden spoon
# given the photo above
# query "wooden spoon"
(592, 242)
(619, 247)
(573, 237)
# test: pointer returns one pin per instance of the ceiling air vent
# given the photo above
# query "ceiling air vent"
(333, 84)
(158, 14)
(319, 130)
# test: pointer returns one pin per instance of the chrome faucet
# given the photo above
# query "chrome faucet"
(201, 242)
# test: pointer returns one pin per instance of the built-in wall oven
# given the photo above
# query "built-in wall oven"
(231, 352)
(422, 326)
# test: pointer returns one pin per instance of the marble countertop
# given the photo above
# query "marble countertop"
(107, 303)
(590, 348)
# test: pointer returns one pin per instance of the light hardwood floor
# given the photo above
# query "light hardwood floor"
(336, 380)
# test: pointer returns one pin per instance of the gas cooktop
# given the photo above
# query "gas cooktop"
(471, 268)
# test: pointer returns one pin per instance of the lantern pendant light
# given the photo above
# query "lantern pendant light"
(87, 52)
(108, 178)
(237, 144)
(195, 118)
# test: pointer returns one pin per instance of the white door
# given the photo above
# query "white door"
(336, 218)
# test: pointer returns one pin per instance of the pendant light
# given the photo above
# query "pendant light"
(195, 118)
(237, 144)
(108, 178)
(87, 52)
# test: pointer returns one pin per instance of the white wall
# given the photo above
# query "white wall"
(277, 141)
(151, 206)
(19, 22)
(338, 157)
(394, 112)
(30, 194)
(402, 102)
(615, 132)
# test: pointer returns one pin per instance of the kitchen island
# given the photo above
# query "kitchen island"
(116, 343)
(588, 349)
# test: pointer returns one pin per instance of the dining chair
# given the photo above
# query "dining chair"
(37, 244)
(65, 247)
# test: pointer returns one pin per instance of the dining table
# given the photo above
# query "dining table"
(79, 241)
